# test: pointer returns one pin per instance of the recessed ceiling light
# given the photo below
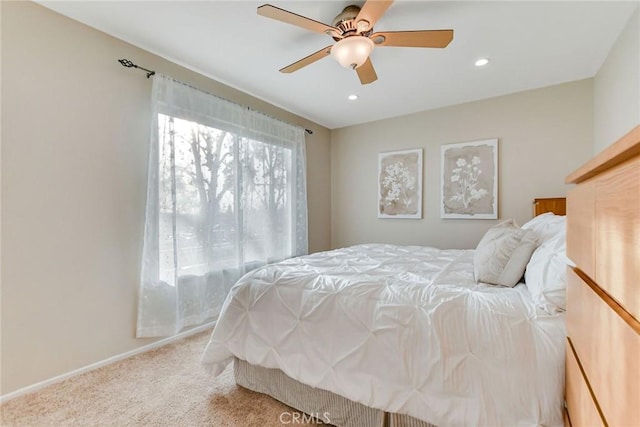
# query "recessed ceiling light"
(352, 97)
(482, 62)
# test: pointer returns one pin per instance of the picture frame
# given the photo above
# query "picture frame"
(469, 180)
(400, 184)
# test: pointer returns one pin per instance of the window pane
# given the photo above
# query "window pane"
(267, 201)
(217, 227)
(204, 197)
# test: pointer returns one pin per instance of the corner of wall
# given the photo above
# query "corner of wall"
(616, 94)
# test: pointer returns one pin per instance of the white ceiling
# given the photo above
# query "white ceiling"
(530, 44)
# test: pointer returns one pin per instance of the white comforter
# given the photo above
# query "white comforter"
(401, 328)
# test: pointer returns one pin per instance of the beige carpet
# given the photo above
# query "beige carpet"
(164, 387)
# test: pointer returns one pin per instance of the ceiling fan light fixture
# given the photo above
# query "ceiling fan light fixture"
(352, 52)
(482, 62)
(352, 97)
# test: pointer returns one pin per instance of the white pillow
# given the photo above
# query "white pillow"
(503, 253)
(547, 226)
(546, 274)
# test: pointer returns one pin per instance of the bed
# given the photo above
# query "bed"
(385, 335)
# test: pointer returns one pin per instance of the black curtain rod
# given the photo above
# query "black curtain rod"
(129, 64)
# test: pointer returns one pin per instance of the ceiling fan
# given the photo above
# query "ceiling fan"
(353, 32)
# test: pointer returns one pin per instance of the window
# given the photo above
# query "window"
(226, 195)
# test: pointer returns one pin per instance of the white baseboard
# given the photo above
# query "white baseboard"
(42, 384)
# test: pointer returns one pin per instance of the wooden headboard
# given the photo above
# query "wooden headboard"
(556, 205)
(603, 289)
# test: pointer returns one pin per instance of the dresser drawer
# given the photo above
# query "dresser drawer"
(607, 348)
(581, 226)
(580, 404)
(617, 248)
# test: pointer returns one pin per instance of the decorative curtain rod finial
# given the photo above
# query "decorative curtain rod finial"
(129, 64)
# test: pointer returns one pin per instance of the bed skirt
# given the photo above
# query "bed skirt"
(324, 405)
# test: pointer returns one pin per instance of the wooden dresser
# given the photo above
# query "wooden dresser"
(603, 290)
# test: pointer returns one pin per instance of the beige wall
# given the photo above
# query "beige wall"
(616, 88)
(543, 135)
(74, 161)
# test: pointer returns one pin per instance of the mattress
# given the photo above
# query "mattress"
(403, 329)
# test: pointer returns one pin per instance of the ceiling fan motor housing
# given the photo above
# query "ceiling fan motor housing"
(346, 23)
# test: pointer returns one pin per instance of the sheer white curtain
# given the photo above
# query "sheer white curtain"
(226, 194)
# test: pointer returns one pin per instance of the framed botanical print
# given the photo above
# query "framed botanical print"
(400, 184)
(469, 182)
